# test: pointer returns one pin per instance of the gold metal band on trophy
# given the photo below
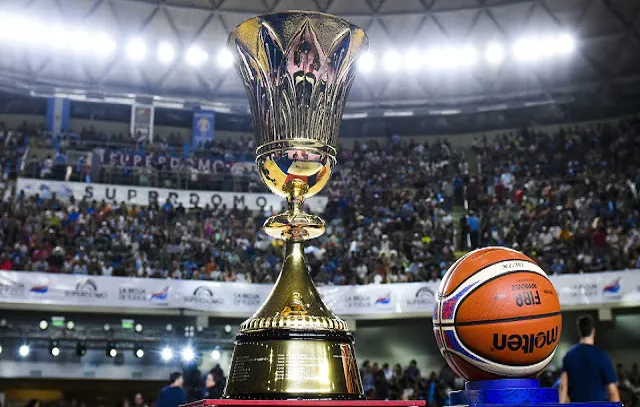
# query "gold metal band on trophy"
(290, 322)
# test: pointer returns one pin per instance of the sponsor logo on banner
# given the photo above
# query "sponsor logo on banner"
(39, 289)
(423, 298)
(10, 288)
(203, 296)
(613, 288)
(162, 295)
(139, 295)
(385, 299)
(133, 294)
(246, 299)
(367, 301)
(86, 289)
(589, 290)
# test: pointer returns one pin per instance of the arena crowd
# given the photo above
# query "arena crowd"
(398, 211)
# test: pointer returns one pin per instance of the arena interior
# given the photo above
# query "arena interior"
(131, 240)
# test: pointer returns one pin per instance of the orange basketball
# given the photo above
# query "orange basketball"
(496, 315)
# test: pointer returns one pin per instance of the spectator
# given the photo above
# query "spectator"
(172, 395)
(587, 373)
(473, 225)
(138, 401)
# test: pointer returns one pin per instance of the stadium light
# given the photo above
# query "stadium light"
(467, 56)
(12, 27)
(0, 349)
(532, 49)
(104, 45)
(168, 327)
(366, 62)
(136, 50)
(138, 351)
(166, 354)
(196, 56)
(79, 41)
(58, 36)
(71, 325)
(33, 33)
(565, 44)
(215, 354)
(412, 60)
(227, 328)
(439, 58)
(188, 354)
(138, 327)
(494, 53)
(54, 349)
(391, 61)
(24, 350)
(225, 58)
(166, 53)
(43, 324)
(111, 350)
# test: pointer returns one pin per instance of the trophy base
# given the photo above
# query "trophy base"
(512, 393)
(282, 364)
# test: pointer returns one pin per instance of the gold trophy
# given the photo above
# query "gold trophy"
(297, 68)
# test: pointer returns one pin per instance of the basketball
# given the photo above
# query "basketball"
(496, 315)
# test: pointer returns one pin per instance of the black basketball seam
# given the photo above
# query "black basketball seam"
(499, 320)
(479, 270)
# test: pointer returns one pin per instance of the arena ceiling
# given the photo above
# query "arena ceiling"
(57, 55)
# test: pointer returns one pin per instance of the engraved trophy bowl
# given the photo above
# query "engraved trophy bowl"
(297, 68)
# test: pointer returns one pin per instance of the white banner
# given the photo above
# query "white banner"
(610, 288)
(143, 195)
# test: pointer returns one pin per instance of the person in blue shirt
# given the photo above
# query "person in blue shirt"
(172, 395)
(587, 372)
(473, 224)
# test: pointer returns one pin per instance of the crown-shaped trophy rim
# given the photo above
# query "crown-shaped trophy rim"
(296, 144)
(290, 12)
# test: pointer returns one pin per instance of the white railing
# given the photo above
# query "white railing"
(82, 293)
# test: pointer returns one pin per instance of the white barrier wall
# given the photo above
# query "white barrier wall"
(594, 290)
(143, 195)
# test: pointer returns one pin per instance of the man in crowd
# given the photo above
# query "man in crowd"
(587, 372)
(172, 395)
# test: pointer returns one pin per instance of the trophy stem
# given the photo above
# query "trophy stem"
(295, 225)
(294, 346)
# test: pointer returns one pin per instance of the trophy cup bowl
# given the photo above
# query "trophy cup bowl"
(297, 68)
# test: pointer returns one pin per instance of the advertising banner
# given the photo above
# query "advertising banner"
(142, 122)
(203, 127)
(58, 115)
(143, 195)
(609, 289)
(153, 160)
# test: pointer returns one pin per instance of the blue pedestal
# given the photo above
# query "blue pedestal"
(512, 393)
